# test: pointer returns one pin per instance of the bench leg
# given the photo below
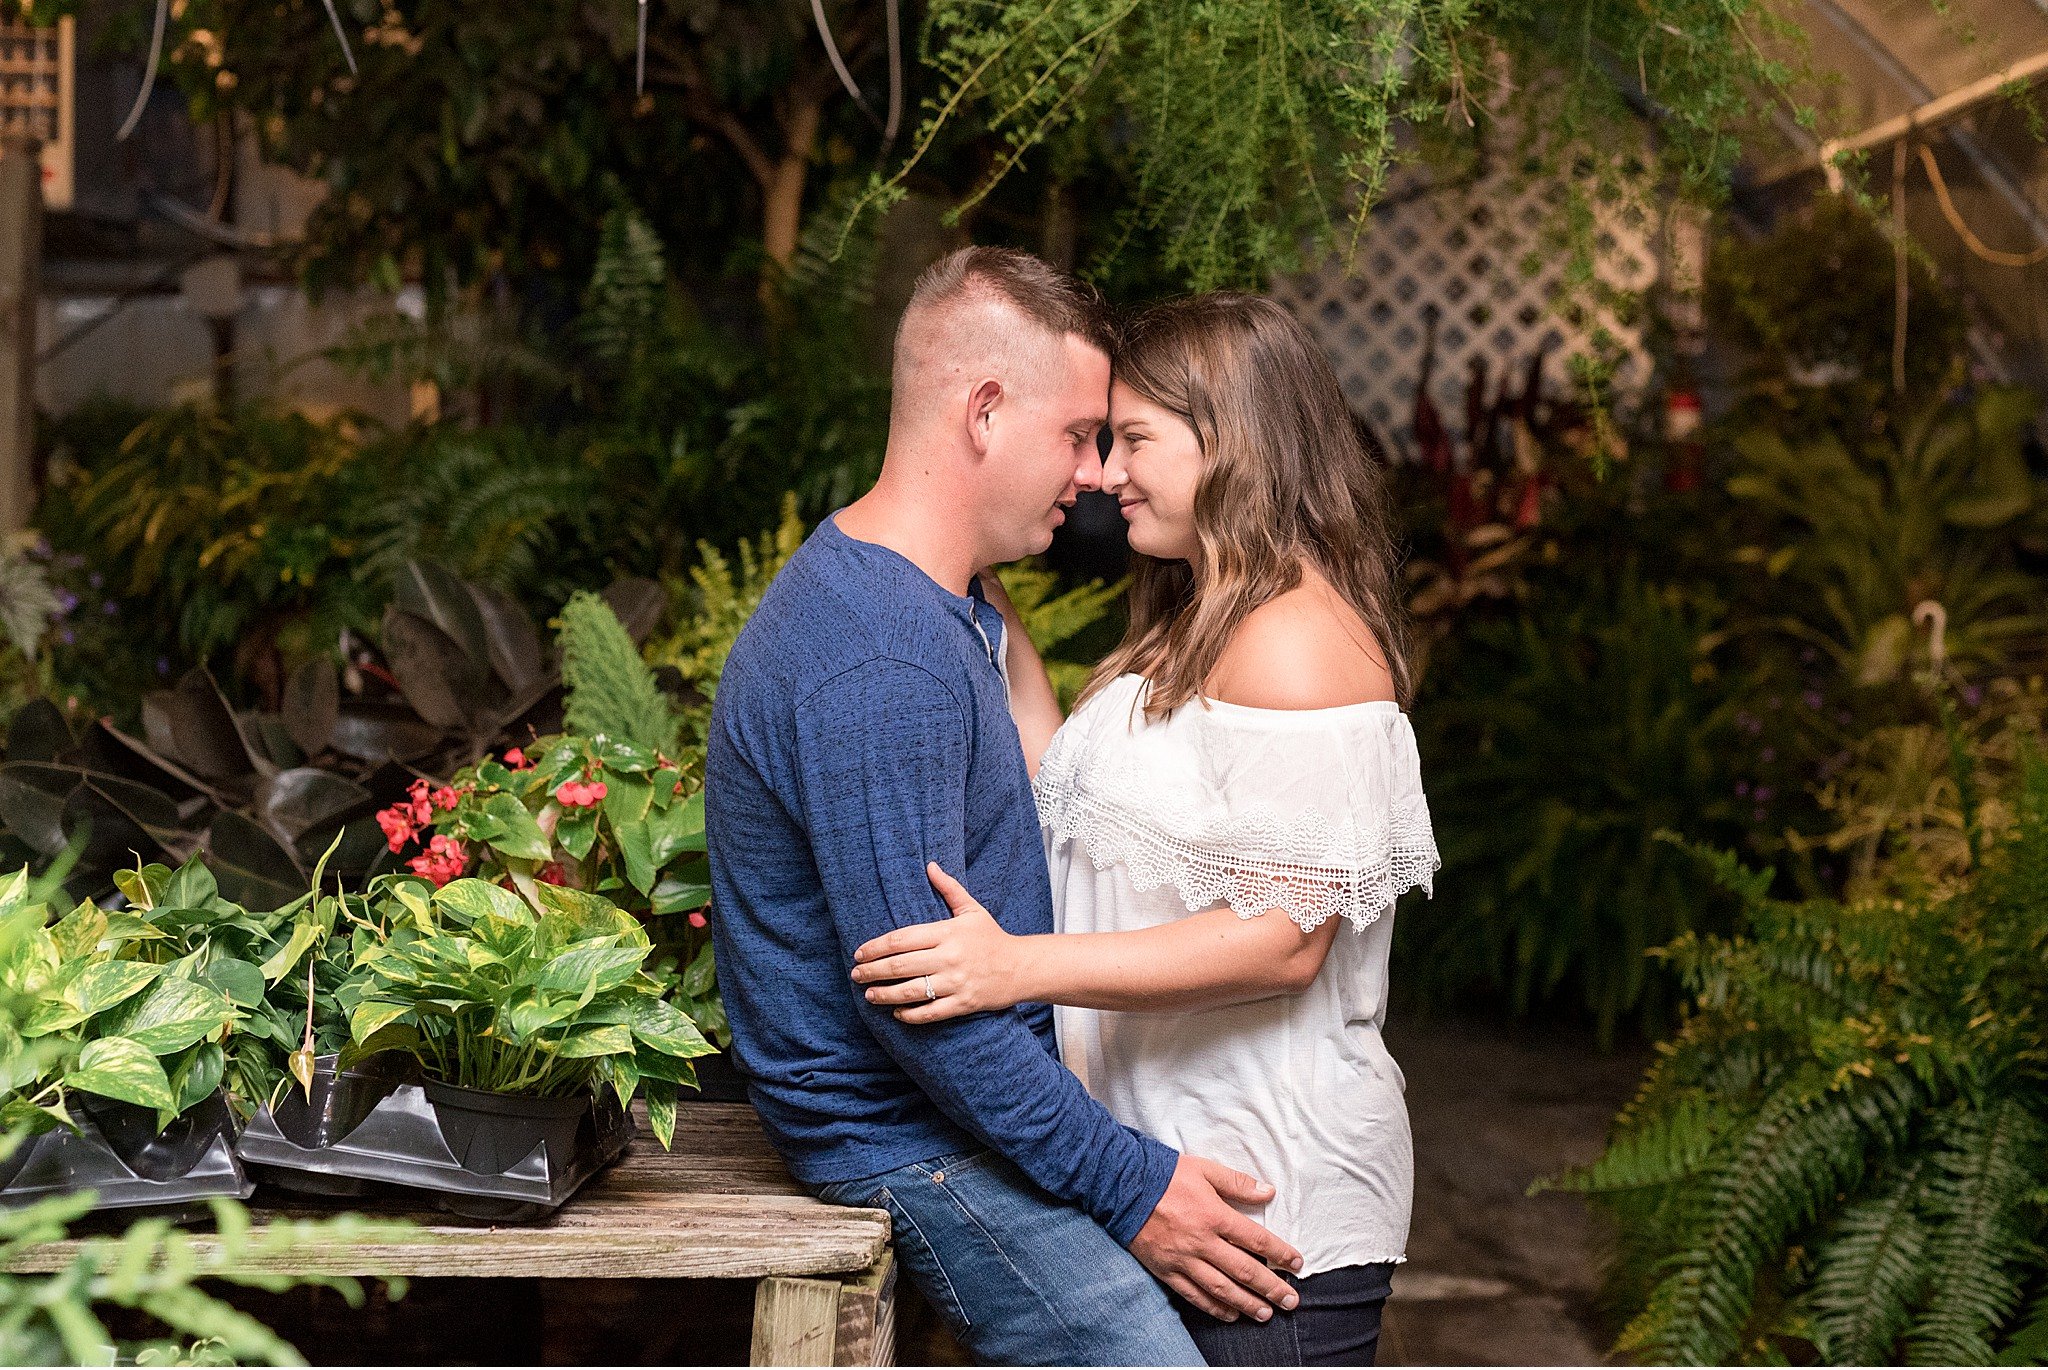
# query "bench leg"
(844, 1321)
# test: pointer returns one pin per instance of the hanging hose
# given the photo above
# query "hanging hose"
(156, 52)
(838, 62)
(1955, 221)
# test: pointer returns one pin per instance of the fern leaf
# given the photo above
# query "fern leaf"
(1980, 1241)
(1797, 1152)
(611, 691)
(1667, 1148)
(1870, 1274)
(624, 298)
(2029, 1345)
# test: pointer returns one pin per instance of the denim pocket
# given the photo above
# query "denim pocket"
(916, 1253)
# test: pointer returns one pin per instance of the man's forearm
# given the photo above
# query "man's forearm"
(1202, 960)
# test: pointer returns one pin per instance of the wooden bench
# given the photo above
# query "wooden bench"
(720, 1205)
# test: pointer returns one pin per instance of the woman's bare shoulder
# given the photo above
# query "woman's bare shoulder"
(1305, 649)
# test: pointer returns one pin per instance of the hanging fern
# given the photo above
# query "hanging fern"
(1842, 1154)
(611, 691)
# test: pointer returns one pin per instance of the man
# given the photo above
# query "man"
(861, 730)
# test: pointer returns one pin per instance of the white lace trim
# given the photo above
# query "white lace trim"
(1328, 868)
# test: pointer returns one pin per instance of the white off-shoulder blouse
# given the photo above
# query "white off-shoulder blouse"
(1313, 814)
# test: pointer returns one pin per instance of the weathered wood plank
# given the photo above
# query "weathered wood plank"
(795, 1322)
(867, 1316)
(720, 1205)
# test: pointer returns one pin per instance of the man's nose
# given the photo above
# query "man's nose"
(1088, 472)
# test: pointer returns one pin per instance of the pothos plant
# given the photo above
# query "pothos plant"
(101, 1018)
(547, 998)
(150, 1266)
(610, 807)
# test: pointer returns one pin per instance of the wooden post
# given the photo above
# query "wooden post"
(847, 1321)
(21, 234)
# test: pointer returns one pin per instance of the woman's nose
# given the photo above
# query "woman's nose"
(1114, 476)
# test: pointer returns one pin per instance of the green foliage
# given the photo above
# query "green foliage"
(548, 998)
(1240, 134)
(1054, 620)
(112, 1020)
(151, 1266)
(599, 813)
(612, 694)
(221, 530)
(1809, 307)
(1842, 1153)
(1560, 744)
(712, 603)
(1863, 531)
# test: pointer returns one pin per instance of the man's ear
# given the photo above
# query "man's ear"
(981, 407)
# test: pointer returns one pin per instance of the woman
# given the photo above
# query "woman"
(1229, 816)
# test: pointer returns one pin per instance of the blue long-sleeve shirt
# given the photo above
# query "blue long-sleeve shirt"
(862, 729)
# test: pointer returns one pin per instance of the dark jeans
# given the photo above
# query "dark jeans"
(1337, 1322)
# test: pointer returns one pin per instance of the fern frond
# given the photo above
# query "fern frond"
(626, 289)
(1795, 1154)
(1980, 1244)
(610, 689)
(1670, 1146)
(1869, 1276)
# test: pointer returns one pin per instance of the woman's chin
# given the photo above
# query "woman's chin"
(1150, 542)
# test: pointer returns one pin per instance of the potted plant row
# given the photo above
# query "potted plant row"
(114, 1063)
(598, 813)
(495, 1042)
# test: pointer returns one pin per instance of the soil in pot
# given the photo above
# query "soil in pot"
(490, 1133)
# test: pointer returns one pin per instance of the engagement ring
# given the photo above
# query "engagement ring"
(929, 993)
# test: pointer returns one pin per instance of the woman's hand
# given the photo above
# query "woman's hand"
(966, 964)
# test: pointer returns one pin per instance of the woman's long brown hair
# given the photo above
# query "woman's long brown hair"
(1285, 481)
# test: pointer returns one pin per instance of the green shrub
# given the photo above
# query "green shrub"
(1556, 746)
(1843, 1153)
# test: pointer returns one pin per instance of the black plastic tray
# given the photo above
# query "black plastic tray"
(364, 1130)
(119, 1152)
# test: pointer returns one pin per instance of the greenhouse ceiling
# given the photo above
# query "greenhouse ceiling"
(1962, 80)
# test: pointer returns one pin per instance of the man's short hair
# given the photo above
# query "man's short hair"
(1049, 297)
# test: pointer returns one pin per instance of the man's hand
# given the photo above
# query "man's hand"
(1209, 1253)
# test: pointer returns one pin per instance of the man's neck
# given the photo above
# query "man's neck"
(919, 523)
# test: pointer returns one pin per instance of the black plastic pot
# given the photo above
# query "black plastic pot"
(120, 1152)
(338, 1102)
(490, 1133)
(499, 1157)
(718, 1081)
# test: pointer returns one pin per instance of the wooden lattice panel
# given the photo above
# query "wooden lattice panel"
(1458, 252)
(36, 97)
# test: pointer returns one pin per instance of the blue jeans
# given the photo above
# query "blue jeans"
(1021, 1278)
(1337, 1322)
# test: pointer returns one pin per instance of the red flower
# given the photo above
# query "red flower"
(397, 823)
(441, 862)
(580, 794)
(516, 759)
(552, 874)
(697, 920)
(422, 807)
(446, 797)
